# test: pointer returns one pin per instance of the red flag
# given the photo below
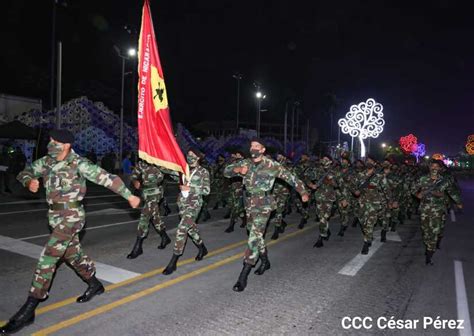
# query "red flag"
(156, 141)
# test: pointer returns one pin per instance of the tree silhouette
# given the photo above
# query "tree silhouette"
(364, 120)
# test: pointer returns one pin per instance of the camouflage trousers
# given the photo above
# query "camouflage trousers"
(258, 211)
(323, 211)
(345, 211)
(370, 213)
(63, 245)
(392, 219)
(303, 208)
(281, 200)
(431, 225)
(150, 211)
(236, 203)
(217, 189)
(189, 209)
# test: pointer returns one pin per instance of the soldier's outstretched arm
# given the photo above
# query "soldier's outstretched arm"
(101, 177)
(290, 178)
(33, 171)
(174, 175)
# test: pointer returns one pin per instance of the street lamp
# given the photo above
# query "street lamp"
(237, 77)
(259, 95)
(131, 53)
(384, 145)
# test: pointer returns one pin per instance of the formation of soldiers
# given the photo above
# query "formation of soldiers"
(261, 192)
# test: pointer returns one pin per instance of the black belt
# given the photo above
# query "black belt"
(265, 193)
(65, 206)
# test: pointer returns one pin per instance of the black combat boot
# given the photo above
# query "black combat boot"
(242, 281)
(227, 214)
(244, 222)
(23, 317)
(165, 239)
(316, 219)
(365, 248)
(342, 230)
(408, 214)
(137, 249)
(327, 235)
(276, 233)
(428, 257)
(230, 228)
(438, 243)
(302, 223)
(355, 222)
(264, 264)
(283, 226)
(216, 206)
(206, 215)
(383, 236)
(172, 265)
(202, 252)
(319, 242)
(94, 288)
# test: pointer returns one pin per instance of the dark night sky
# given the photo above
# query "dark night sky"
(415, 57)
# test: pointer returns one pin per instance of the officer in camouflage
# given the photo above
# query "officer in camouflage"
(346, 199)
(190, 201)
(324, 182)
(303, 208)
(236, 194)
(281, 193)
(374, 196)
(432, 191)
(150, 178)
(259, 174)
(64, 176)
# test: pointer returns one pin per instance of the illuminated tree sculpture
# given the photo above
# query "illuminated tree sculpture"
(408, 143)
(470, 145)
(363, 121)
(419, 151)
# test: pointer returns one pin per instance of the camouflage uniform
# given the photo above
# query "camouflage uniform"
(65, 182)
(395, 184)
(218, 185)
(189, 208)
(259, 202)
(346, 199)
(373, 202)
(299, 171)
(151, 179)
(236, 197)
(325, 195)
(433, 206)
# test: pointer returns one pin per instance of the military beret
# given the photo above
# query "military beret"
(259, 140)
(62, 136)
(196, 152)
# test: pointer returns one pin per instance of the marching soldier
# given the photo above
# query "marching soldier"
(281, 193)
(150, 178)
(190, 201)
(64, 176)
(259, 174)
(303, 208)
(432, 191)
(236, 194)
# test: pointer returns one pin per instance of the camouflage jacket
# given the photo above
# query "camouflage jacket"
(429, 200)
(200, 182)
(65, 181)
(235, 181)
(261, 176)
(151, 177)
(328, 190)
(377, 190)
(346, 182)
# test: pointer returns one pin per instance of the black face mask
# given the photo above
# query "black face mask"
(255, 153)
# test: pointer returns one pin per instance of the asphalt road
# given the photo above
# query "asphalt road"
(307, 291)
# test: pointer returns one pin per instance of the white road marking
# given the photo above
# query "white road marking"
(461, 299)
(354, 266)
(453, 215)
(105, 272)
